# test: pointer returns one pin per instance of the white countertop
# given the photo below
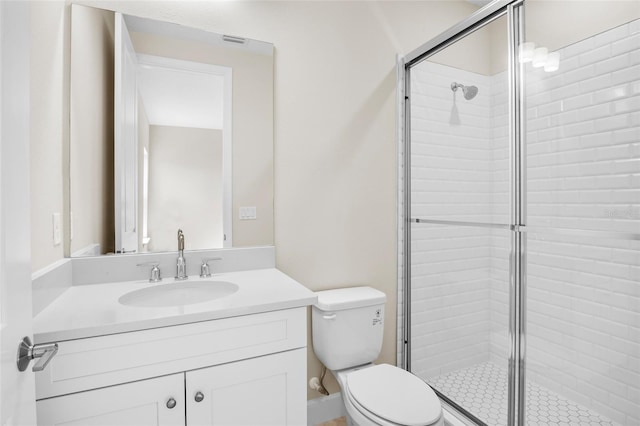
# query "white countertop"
(93, 310)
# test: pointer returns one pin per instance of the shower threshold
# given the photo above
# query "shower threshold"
(482, 390)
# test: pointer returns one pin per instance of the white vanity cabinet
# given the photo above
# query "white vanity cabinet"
(245, 370)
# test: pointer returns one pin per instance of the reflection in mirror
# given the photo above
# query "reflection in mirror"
(153, 145)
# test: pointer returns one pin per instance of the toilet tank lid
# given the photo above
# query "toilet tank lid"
(347, 298)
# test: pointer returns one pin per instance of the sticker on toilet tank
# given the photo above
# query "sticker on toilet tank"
(377, 319)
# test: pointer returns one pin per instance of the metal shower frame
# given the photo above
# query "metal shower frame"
(514, 11)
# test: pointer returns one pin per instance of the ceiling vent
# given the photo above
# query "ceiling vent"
(232, 39)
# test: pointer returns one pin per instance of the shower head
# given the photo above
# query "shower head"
(469, 92)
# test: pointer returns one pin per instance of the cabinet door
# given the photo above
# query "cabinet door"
(142, 403)
(269, 390)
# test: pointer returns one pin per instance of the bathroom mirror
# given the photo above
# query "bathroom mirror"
(170, 127)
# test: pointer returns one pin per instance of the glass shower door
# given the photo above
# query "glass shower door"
(583, 180)
(460, 234)
(522, 210)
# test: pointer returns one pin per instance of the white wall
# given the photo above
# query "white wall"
(48, 92)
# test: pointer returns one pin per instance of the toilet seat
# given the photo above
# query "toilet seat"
(404, 400)
(365, 417)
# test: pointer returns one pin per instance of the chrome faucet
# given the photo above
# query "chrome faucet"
(181, 265)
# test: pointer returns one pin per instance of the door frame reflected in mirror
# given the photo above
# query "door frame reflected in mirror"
(226, 73)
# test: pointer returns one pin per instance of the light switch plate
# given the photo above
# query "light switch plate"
(57, 229)
(248, 213)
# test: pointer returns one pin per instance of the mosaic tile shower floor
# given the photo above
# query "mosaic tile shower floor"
(482, 390)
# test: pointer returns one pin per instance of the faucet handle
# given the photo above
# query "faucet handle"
(205, 272)
(155, 276)
(180, 240)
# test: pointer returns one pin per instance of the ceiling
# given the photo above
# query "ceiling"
(480, 3)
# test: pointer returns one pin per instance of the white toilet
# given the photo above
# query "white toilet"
(347, 327)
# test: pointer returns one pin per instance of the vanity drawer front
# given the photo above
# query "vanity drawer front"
(145, 402)
(107, 360)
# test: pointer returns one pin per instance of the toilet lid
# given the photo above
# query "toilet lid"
(395, 395)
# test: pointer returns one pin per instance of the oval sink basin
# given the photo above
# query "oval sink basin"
(178, 294)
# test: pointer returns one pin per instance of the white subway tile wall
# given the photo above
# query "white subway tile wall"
(451, 149)
(583, 172)
(452, 179)
(583, 313)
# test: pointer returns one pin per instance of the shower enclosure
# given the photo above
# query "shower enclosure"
(520, 214)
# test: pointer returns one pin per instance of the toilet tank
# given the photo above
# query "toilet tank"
(347, 326)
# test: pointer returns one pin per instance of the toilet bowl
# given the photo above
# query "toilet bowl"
(347, 330)
(384, 395)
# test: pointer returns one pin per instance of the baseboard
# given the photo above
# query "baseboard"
(326, 408)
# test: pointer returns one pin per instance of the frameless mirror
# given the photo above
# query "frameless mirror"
(170, 127)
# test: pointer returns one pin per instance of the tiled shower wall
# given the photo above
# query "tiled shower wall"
(452, 179)
(500, 241)
(583, 143)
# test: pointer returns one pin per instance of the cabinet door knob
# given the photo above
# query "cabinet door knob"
(199, 396)
(171, 403)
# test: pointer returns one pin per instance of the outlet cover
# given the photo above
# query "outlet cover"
(57, 229)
